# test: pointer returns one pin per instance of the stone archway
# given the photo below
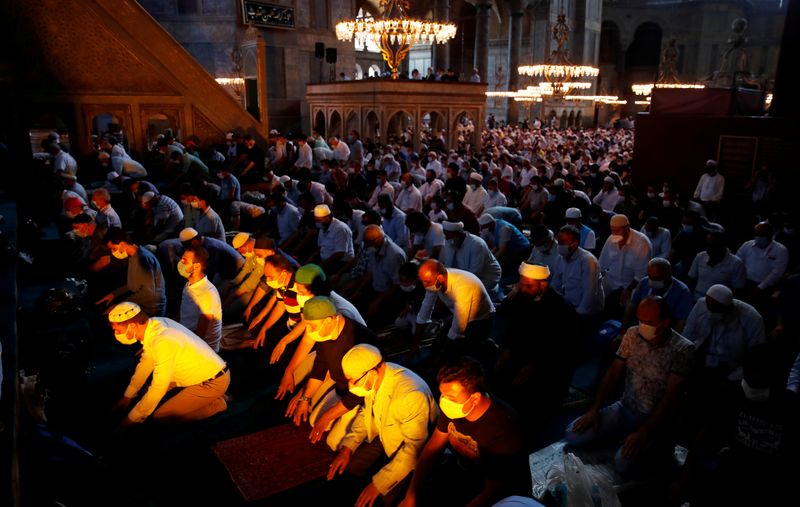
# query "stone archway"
(400, 125)
(464, 129)
(643, 54)
(352, 123)
(371, 127)
(335, 124)
(431, 123)
(319, 123)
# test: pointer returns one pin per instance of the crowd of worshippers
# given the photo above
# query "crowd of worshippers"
(492, 269)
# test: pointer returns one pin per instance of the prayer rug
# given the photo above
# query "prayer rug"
(273, 460)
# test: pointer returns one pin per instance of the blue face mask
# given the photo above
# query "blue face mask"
(762, 242)
(688, 229)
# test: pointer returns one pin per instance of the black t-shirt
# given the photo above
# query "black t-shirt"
(330, 354)
(494, 445)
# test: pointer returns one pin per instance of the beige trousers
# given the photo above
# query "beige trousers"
(196, 402)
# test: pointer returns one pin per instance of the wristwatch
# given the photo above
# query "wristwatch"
(305, 398)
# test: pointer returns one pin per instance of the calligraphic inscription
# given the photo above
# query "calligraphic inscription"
(737, 155)
(267, 15)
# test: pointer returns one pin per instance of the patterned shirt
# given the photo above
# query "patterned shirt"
(648, 367)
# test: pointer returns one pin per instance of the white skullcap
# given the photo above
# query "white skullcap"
(720, 294)
(284, 178)
(359, 360)
(229, 136)
(619, 220)
(476, 176)
(321, 211)
(240, 239)
(534, 271)
(711, 161)
(486, 219)
(558, 182)
(453, 226)
(112, 175)
(573, 213)
(609, 179)
(68, 176)
(124, 311)
(187, 234)
(274, 132)
(147, 197)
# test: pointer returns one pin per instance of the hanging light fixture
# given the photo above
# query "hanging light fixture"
(395, 32)
(667, 74)
(559, 72)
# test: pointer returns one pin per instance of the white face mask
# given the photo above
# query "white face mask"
(362, 391)
(407, 288)
(183, 270)
(128, 337)
(647, 331)
(274, 284)
(119, 254)
(754, 393)
(301, 300)
(656, 284)
(617, 238)
(318, 337)
(452, 409)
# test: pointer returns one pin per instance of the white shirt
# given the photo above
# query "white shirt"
(729, 271)
(305, 156)
(341, 153)
(432, 238)
(765, 266)
(431, 190)
(465, 295)
(171, 353)
(624, 263)
(661, 242)
(607, 200)
(475, 257)
(386, 188)
(741, 329)
(474, 198)
(64, 162)
(202, 298)
(578, 280)
(710, 188)
(337, 238)
(409, 198)
(491, 201)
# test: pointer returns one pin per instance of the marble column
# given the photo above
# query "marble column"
(482, 38)
(514, 58)
(441, 52)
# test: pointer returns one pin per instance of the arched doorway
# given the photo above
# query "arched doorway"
(400, 127)
(335, 125)
(319, 123)
(158, 124)
(611, 58)
(432, 123)
(374, 71)
(371, 127)
(359, 72)
(352, 123)
(643, 54)
(464, 130)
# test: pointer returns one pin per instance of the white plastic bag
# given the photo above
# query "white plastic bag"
(575, 484)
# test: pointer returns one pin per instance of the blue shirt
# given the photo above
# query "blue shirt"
(228, 184)
(504, 231)
(677, 295)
